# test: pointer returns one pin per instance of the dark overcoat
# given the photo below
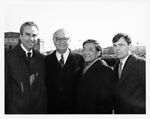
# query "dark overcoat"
(20, 96)
(61, 83)
(95, 90)
(130, 88)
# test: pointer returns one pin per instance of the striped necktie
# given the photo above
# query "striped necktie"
(62, 61)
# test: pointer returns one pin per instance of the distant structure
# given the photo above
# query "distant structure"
(13, 38)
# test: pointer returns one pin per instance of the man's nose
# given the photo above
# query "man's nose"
(62, 41)
(31, 38)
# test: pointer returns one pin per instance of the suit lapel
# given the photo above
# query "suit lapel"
(91, 68)
(116, 70)
(128, 67)
(55, 61)
(69, 61)
(23, 66)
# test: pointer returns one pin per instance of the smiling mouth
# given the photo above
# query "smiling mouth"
(62, 45)
(86, 57)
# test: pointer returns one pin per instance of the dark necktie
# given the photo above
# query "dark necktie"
(62, 61)
(120, 69)
(29, 55)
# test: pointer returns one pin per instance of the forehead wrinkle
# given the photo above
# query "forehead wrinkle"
(30, 30)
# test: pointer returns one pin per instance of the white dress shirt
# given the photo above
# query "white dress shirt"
(65, 55)
(26, 51)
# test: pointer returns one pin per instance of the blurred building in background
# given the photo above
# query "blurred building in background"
(11, 40)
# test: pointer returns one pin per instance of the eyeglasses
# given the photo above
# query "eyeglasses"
(65, 39)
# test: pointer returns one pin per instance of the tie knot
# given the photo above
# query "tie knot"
(29, 54)
(62, 56)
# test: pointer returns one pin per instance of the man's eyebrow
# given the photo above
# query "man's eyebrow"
(30, 34)
(27, 33)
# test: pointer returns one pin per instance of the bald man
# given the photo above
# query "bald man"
(63, 69)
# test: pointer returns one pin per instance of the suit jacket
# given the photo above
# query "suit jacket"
(61, 83)
(130, 88)
(20, 96)
(95, 89)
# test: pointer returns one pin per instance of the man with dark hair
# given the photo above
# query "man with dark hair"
(24, 75)
(95, 87)
(63, 69)
(130, 78)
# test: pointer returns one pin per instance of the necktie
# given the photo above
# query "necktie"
(120, 69)
(62, 61)
(29, 55)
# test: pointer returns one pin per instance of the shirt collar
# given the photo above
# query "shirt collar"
(26, 51)
(65, 55)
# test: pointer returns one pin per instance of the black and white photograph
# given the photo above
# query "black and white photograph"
(75, 59)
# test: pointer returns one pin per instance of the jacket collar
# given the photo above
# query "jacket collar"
(128, 67)
(21, 52)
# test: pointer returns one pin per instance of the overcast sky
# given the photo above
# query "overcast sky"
(96, 19)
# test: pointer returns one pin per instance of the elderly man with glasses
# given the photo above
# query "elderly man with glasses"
(63, 69)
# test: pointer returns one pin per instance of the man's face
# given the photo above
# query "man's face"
(89, 52)
(29, 37)
(61, 41)
(121, 48)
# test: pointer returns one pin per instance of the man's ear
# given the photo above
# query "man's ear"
(98, 53)
(20, 37)
(130, 46)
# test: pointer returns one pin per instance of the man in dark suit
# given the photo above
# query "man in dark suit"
(130, 78)
(95, 88)
(63, 69)
(24, 75)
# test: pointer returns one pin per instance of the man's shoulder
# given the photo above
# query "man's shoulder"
(76, 58)
(11, 53)
(39, 54)
(102, 69)
(12, 57)
(76, 55)
(138, 59)
(50, 57)
(103, 63)
(51, 54)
